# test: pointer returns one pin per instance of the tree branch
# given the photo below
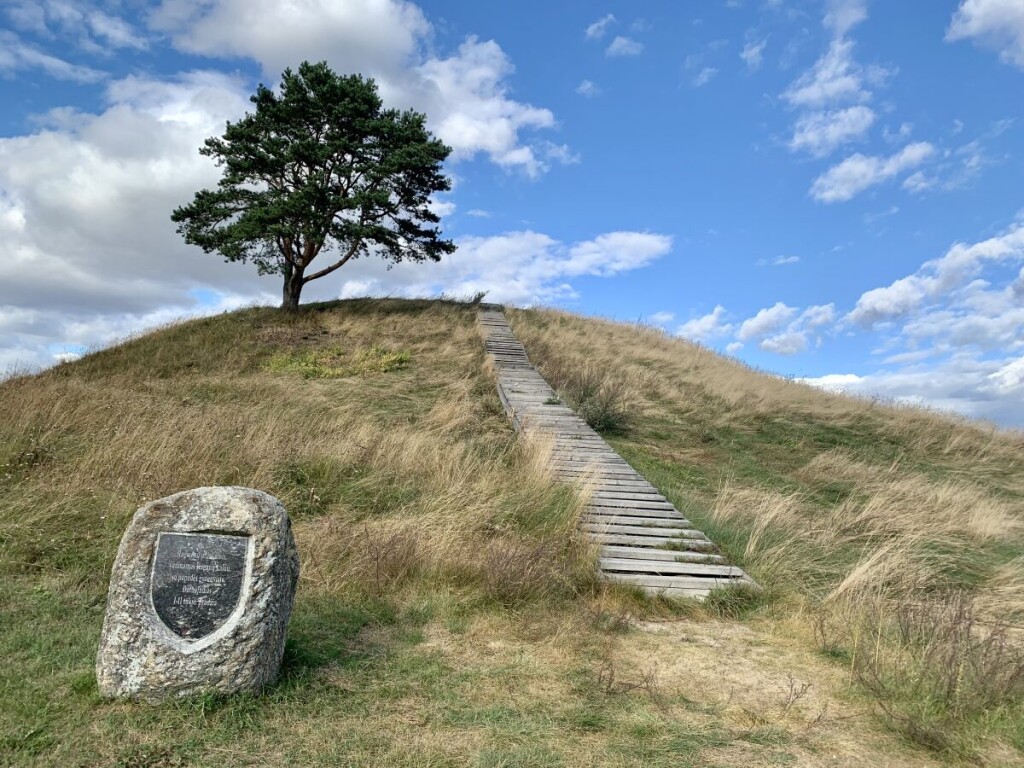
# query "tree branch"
(340, 263)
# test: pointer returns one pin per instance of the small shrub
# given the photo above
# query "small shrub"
(933, 669)
(600, 399)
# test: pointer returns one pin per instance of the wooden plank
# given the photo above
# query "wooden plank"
(653, 495)
(653, 503)
(625, 514)
(670, 582)
(647, 514)
(651, 522)
(607, 485)
(659, 542)
(665, 555)
(639, 530)
(665, 568)
(600, 506)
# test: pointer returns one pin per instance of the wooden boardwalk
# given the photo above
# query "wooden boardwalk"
(643, 539)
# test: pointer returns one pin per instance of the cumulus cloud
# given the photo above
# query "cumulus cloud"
(85, 202)
(707, 327)
(753, 53)
(466, 101)
(998, 24)
(788, 343)
(523, 267)
(465, 95)
(662, 318)
(978, 388)
(860, 172)
(939, 278)
(786, 330)
(624, 46)
(378, 36)
(820, 133)
(704, 76)
(766, 321)
(843, 15)
(834, 77)
(587, 88)
(598, 29)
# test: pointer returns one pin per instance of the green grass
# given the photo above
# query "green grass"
(705, 431)
(446, 615)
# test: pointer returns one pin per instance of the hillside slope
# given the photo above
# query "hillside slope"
(447, 612)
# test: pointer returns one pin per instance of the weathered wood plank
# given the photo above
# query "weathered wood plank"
(665, 555)
(647, 514)
(640, 530)
(625, 514)
(663, 523)
(658, 542)
(671, 582)
(653, 503)
(665, 568)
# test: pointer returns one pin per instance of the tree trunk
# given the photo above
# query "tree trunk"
(293, 283)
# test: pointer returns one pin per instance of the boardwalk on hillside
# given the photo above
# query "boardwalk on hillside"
(644, 540)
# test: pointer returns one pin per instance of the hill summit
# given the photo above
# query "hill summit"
(449, 612)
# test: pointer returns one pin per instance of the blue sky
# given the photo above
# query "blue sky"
(829, 190)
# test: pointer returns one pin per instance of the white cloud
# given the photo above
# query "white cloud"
(998, 24)
(598, 29)
(16, 55)
(381, 37)
(624, 46)
(466, 102)
(465, 95)
(820, 133)
(834, 77)
(963, 311)
(86, 203)
(819, 315)
(843, 15)
(706, 327)
(981, 389)
(918, 182)
(788, 343)
(704, 76)
(661, 318)
(733, 347)
(442, 208)
(587, 88)
(516, 267)
(82, 24)
(778, 261)
(766, 321)
(859, 172)
(478, 213)
(753, 53)
(785, 330)
(893, 301)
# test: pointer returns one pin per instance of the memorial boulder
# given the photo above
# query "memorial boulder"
(200, 596)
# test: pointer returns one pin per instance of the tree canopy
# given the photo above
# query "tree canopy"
(321, 168)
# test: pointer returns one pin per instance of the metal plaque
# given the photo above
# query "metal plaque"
(197, 580)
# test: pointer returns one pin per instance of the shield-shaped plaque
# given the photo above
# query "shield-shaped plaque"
(197, 580)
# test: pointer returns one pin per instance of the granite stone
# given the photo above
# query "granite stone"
(200, 596)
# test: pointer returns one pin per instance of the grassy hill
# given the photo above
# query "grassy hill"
(447, 612)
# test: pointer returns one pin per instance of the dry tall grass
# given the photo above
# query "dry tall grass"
(854, 514)
(447, 613)
(385, 491)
